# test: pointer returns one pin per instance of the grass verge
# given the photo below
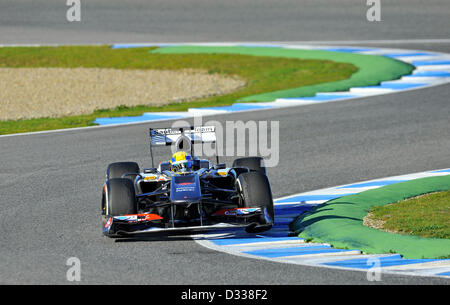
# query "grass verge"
(262, 74)
(371, 69)
(340, 221)
(425, 216)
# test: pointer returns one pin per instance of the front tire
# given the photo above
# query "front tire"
(255, 191)
(121, 197)
(252, 163)
(118, 169)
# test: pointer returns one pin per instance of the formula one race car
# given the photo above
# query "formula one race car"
(186, 193)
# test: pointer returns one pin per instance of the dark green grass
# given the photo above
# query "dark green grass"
(262, 74)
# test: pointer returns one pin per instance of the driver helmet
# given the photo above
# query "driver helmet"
(181, 162)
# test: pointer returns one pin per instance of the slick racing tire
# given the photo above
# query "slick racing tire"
(118, 169)
(121, 197)
(252, 163)
(255, 191)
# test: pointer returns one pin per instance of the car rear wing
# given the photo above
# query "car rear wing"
(182, 137)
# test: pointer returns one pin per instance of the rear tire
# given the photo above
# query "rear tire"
(252, 163)
(121, 197)
(255, 191)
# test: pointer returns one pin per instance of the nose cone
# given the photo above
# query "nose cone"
(185, 188)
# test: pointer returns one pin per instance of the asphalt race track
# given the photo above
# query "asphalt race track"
(108, 21)
(50, 183)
